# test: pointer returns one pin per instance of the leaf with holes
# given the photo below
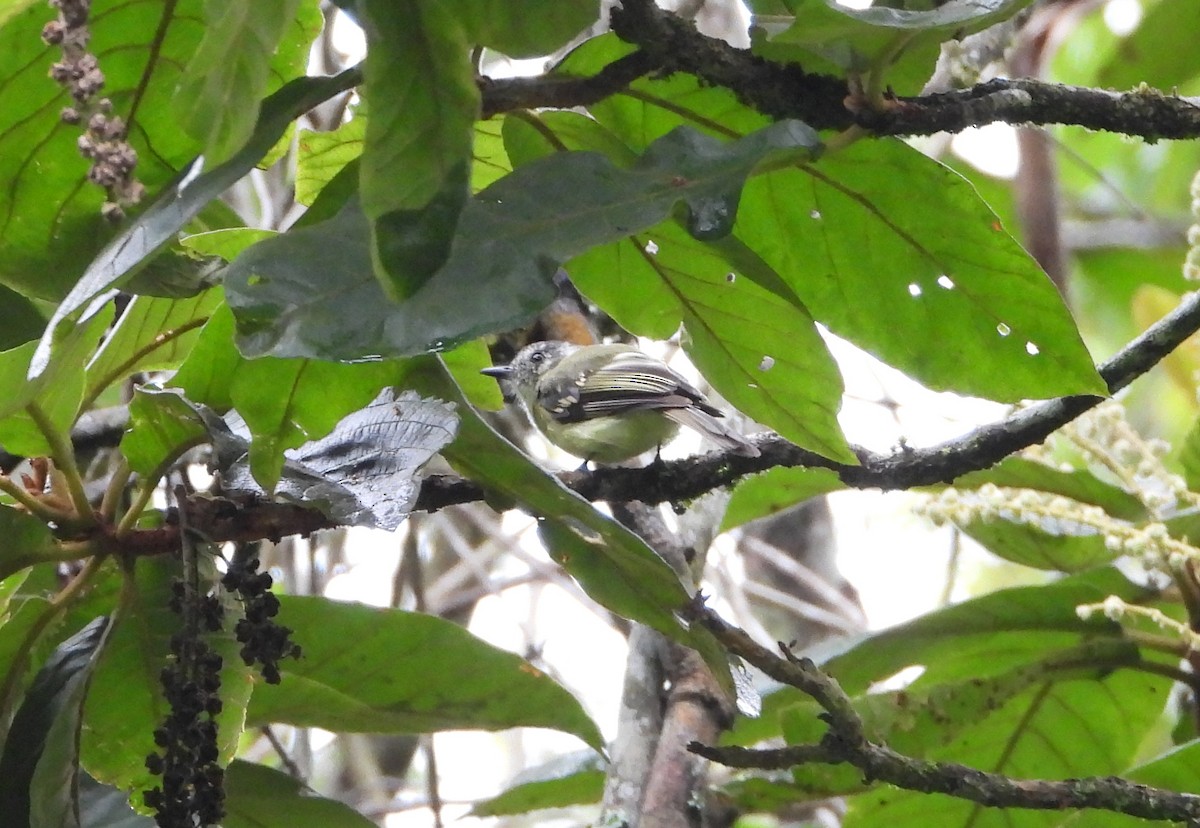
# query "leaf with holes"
(943, 293)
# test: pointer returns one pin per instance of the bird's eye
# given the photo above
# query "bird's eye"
(537, 356)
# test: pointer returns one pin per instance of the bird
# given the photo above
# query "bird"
(609, 403)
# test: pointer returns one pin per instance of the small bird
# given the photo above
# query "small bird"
(608, 403)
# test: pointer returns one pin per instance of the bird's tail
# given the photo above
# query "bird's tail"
(715, 430)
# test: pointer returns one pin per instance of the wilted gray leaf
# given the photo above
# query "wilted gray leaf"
(364, 473)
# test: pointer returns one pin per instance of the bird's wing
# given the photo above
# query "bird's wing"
(628, 382)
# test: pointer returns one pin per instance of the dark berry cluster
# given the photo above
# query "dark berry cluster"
(104, 144)
(192, 791)
(263, 641)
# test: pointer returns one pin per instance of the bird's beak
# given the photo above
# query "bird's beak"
(498, 371)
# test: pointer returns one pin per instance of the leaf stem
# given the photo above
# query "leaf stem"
(114, 490)
(63, 454)
(150, 483)
(118, 371)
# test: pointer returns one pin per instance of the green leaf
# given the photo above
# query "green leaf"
(464, 364)
(20, 320)
(945, 294)
(1059, 545)
(258, 796)
(986, 635)
(1174, 770)
(856, 40)
(246, 50)
(309, 292)
(1158, 52)
(51, 224)
(206, 376)
(1077, 484)
(125, 704)
(322, 155)
(182, 201)
(773, 491)
(366, 472)
(1062, 731)
(366, 669)
(161, 425)
(760, 350)
(575, 779)
(226, 243)
(27, 540)
(420, 87)
(1189, 457)
(40, 758)
(58, 391)
(150, 335)
(613, 565)
(288, 402)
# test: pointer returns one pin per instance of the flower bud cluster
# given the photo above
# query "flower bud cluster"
(1106, 438)
(1191, 262)
(1116, 609)
(1150, 543)
(104, 140)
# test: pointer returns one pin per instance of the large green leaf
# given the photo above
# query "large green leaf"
(943, 292)
(248, 49)
(27, 540)
(57, 391)
(1158, 52)
(775, 490)
(309, 292)
(420, 86)
(152, 334)
(983, 636)
(386, 670)
(41, 754)
(1060, 731)
(51, 225)
(258, 796)
(161, 425)
(125, 704)
(182, 201)
(1055, 544)
(1077, 484)
(575, 779)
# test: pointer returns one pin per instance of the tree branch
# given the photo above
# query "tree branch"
(846, 742)
(669, 44)
(905, 469)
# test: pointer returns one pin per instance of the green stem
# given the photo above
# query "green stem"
(129, 519)
(118, 371)
(63, 454)
(112, 494)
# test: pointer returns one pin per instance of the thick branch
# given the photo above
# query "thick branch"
(668, 44)
(846, 741)
(880, 763)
